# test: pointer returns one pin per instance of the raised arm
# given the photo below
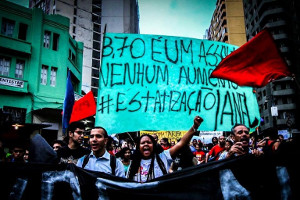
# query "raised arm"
(186, 138)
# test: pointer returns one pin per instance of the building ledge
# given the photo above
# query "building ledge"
(15, 44)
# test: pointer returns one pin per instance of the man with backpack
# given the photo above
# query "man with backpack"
(99, 159)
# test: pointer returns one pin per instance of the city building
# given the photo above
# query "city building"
(227, 23)
(282, 19)
(88, 19)
(36, 52)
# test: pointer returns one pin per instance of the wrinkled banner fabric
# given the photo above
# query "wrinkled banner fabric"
(245, 177)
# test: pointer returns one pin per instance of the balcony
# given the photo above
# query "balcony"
(16, 45)
(269, 12)
(276, 24)
(283, 92)
(278, 36)
(281, 121)
(290, 106)
(284, 49)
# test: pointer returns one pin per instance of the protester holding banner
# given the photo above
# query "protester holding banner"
(99, 159)
(241, 145)
(148, 164)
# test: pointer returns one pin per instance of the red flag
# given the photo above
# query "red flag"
(84, 107)
(254, 64)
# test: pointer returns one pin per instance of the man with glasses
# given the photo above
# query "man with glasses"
(241, 139)
(73, 151)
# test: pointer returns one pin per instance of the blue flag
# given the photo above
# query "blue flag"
(68, 104)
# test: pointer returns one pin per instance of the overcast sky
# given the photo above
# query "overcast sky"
(186, 18)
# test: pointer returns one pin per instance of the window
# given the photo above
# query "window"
(72, 56)
(95, 72)
(55, 41)
(7, 27)
(47, 36)
(96, 54)
(96, 45)
(22, 31)
(53, 76)
(44, 74)
(97, 28)
(284, 100)
(19, 73)
(283, 86)
(95, 63)
(96, 36)
(267, 120)
(95, 82)
(4, 66)
(95, 92)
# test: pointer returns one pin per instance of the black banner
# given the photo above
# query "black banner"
(245, 177)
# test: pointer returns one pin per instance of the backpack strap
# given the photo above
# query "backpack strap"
(113, 162)
(85, 160)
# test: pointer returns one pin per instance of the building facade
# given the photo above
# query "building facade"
(88, 19)
(36, 52)
(282, 19)
(227, 23)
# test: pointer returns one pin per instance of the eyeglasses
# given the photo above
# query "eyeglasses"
(79, 132)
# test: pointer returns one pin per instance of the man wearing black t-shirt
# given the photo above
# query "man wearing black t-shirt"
(73, 151)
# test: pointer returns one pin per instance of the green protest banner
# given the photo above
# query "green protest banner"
(153, 82)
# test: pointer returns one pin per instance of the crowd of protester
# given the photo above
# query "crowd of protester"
(150, 156)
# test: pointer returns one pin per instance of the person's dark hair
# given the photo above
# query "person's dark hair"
(200, 144)
(123, 151)
(19, 145)
(186, 157)
(271, 132)
(61, 142)
(230, 142)
(137, 157)
(232, 129)
(72, 127)
(212, 139)
(105, 132)
(165, 140)
(109, 143)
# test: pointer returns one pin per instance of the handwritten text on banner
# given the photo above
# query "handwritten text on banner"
(152, 82)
